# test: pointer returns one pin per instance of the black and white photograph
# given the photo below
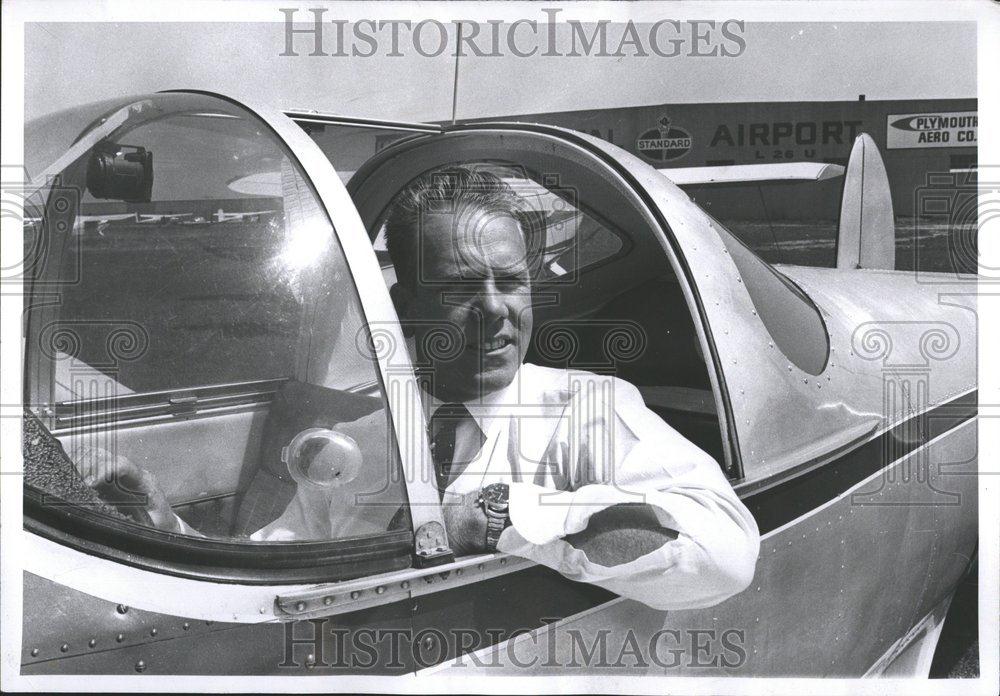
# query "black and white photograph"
(500, 347)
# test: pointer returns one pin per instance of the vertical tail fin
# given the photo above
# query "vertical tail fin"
(866, 235)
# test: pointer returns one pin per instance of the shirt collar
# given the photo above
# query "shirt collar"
(483, 409)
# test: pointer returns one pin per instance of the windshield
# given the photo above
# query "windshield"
(199, 317)
(790, 317)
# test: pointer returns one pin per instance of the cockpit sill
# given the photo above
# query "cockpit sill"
(353, 595)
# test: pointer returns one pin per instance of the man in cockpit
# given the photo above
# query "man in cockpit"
(592, 483)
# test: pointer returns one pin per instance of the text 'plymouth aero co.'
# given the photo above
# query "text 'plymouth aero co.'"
(206, 298)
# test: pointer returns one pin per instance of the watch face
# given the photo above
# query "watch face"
(495, 495)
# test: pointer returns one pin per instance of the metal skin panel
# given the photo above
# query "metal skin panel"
(151, 643)
(833, 591)
(499, 609)
(883, 366)
(429, 628)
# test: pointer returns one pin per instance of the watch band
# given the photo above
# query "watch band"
(493, 498)
(495, 524)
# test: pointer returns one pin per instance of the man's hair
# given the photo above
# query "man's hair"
(452, 190)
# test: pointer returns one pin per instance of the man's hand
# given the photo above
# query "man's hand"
(130, 488)
(465, 521)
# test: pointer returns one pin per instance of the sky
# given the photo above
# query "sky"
(67, 64)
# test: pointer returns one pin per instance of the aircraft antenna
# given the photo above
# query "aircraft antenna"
(454, 90)
(767, 216)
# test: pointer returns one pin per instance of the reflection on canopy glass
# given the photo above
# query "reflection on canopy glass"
(205, 317)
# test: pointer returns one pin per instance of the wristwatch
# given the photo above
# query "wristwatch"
(493, 498)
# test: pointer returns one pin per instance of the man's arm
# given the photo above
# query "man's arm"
(658, 522)
(616, 535)
(706, 552)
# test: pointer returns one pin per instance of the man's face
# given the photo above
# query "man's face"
(469, 274)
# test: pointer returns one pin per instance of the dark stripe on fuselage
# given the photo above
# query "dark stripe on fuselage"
(791, 499)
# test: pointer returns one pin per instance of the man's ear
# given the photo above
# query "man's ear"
(402, 299)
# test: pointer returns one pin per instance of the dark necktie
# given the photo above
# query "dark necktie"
(443, 428)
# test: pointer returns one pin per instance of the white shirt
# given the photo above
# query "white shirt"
(572, 443)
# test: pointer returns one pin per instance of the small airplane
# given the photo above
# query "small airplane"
(841, 403)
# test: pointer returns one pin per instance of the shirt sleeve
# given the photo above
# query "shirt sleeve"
(717, 544)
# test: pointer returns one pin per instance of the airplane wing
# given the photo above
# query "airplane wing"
(753, 173)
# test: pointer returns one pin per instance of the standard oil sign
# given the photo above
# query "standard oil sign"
(665, 142)
(950, 129)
